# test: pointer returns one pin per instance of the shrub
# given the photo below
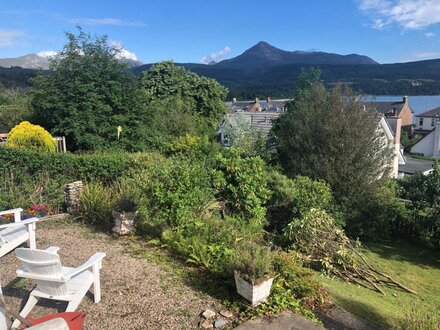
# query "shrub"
(242, 182)
(96, 204)
(294, 286)
(171, 192)
(100, 166)
(252, 261)
(294, 198)
(31, 137)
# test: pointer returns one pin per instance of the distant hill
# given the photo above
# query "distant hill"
(264, 55)
(33, 61)
(264, 70)
(30, 61)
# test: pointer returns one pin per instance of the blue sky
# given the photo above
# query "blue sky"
(197, 31)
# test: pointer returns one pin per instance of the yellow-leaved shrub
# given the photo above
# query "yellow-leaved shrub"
(31, 137)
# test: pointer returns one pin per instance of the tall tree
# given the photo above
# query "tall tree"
(330, 135)
(202, 97)
(86, 93)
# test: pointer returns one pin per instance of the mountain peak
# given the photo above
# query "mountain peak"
(263, 55)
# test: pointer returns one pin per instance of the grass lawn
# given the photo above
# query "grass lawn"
(416, 268)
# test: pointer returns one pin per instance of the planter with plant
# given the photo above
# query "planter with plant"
(124, 216)
(253, 272)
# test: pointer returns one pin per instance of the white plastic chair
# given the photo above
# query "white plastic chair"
(55, 281)
(16, 233)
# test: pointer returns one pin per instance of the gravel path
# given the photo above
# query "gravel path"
(136, 294)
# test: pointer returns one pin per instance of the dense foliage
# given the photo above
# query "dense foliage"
(14, 107)
(86, 93)
(421, 221)
(31, 137)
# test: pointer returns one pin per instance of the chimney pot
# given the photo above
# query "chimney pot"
(405, 99)
(268, 99)
(234, 100)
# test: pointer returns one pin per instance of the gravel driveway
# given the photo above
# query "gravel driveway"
(136, 294)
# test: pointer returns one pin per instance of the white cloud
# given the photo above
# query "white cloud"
(409, 14)
(47, 53)
(218, 56)
(9, 37)
(429, 35)
(104, 21)
(123, 53)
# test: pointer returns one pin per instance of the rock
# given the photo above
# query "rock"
(209, 314)
(226, 313)
(206, 324)
(220, 322)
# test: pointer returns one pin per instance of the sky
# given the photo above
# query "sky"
(195, 31)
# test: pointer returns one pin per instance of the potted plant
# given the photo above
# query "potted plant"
(124, 216)
(253, 272)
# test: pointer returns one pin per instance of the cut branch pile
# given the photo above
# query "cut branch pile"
(323, 246)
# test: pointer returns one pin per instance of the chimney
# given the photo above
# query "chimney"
(268, 99)
(257, 100)
(234, 100)
(405, 99)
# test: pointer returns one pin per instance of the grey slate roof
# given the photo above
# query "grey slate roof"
(388, 107)
(430, 113)
(414, 166)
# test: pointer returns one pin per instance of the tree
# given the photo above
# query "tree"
(203, 97)
(86, 94)
(14, 107)
(329, 135)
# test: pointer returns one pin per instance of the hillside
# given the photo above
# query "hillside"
(264, 70)
(264, 55)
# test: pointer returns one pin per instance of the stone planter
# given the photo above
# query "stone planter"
(255, 294)
(124, 222)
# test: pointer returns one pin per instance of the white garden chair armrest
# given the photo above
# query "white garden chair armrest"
(21, 223)
(11, 211)
(53, 249)
(26, 274)
(94, 260)
(16, 212)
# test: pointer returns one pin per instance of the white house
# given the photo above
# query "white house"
(429, 145)
(425, 122)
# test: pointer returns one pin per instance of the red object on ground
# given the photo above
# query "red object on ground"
(74, 320)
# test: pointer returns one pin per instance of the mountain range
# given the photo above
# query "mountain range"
(34, 61)
(264, 70)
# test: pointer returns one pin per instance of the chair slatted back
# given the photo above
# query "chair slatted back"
(47, 266)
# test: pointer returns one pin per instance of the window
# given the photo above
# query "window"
(432, 122)
(420, 121)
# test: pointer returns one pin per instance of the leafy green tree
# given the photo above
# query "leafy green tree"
(14, 107)
(203, 97)
(329, 135)
(86, 94)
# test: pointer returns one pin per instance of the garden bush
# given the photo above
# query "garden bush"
(242, 184)
(96, 204)
(292, 198)
(31, 137)
(171, 192)
(105, 167)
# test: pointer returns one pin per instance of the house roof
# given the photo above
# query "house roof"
(388, 108)
(414, 165)
(430, 113)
